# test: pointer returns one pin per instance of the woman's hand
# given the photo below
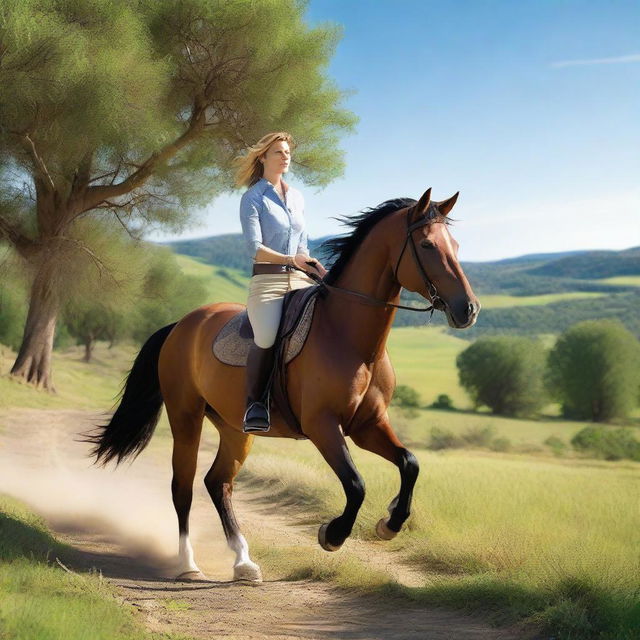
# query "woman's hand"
(306, 263)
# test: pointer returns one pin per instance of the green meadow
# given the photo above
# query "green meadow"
(38, 600)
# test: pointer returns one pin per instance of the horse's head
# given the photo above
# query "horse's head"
(427, 262)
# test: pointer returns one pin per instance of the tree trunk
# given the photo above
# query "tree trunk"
(33, 363)
(88, 349)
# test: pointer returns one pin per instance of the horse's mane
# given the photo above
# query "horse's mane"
(338, 251)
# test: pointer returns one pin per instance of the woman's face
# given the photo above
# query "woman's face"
(277, 158)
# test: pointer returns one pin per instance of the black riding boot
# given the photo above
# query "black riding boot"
(259, 367)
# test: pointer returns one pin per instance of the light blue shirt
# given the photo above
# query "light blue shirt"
(267, 221)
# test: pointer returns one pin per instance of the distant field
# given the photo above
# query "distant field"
(424, 358)
(501, 301)
(232, 287)
(625, 281)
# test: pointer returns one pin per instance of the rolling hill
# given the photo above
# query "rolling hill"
(536, 293)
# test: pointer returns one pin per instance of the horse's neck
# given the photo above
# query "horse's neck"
(365, 326)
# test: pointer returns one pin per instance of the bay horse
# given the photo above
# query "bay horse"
(340, 384)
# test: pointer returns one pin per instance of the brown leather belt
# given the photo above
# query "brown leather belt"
(261, 268)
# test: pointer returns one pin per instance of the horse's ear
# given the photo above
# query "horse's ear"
(446, 205)
(423, 203)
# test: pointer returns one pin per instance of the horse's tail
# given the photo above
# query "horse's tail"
(132, 425)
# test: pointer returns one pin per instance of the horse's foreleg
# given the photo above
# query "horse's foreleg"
(327, 436)
(186, 428)
(378, 437)
(232, 452)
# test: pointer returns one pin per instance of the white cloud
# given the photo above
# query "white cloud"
(634, 57)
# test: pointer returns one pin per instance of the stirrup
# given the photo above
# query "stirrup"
(256, 423)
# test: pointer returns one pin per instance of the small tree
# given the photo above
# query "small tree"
(505, 374)
(594, 371)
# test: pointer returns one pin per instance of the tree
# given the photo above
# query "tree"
(406, 396)
(134, 111)
(505, 374)
(594, 371)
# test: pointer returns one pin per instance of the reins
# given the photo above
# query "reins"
(433, 292)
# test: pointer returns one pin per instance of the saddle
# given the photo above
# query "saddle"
(234, 340)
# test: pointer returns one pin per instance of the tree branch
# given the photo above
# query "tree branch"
(99, 193)
(38, 161)
(21, 242)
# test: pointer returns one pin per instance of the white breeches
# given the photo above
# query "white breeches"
(264, 306)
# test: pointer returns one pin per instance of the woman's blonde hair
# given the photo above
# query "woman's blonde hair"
(248, 166)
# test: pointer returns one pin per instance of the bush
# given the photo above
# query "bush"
(474, 437)
(607, 443)
(505, 374)
(557, 445)
(500, 444)
(444, 439)
(444, 402)
(405, 396)
(594, 371)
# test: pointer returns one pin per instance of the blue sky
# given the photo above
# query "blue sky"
(530, 109)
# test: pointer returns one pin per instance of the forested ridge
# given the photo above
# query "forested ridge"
(529, 275)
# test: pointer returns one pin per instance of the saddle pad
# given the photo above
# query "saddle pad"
(230, 348)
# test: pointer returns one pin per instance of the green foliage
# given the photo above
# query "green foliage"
(167, 295)
(594, 371)
(557, 445)
(406, 396)
(505, 374)
(13, 312)
(607, 443)
(474, 437)
(444, 402)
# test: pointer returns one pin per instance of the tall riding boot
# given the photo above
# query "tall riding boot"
(259, 367)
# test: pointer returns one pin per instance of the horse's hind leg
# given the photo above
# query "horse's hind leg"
(232, 452)
(186, 426)
(378, 437)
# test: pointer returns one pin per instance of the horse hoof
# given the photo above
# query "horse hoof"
(247, 571)
(383, 532)
(322, 539)
(192, 576)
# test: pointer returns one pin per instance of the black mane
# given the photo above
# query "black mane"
(338, 251)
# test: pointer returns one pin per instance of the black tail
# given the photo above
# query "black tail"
(136, 417)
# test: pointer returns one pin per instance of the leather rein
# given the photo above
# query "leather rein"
(433, 292)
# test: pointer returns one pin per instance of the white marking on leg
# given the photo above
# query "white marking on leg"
(244, 568)
(186, 562)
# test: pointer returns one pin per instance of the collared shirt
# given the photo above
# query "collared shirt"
(267, 221)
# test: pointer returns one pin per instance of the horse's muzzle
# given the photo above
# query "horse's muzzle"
(463, 315)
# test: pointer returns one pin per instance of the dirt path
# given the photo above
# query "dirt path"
(121, 522)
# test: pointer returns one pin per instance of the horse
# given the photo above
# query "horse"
(340, 385)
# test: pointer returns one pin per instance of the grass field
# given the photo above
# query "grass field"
(522, 538)
(424, 358)
(223, 285)
(493, 301)
(38, 600)
(522, 535)
(626, 281)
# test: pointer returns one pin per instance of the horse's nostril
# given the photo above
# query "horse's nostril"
(471, 308)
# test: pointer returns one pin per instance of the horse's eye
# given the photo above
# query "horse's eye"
(427, 244)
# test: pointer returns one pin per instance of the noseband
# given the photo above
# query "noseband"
(433, 292)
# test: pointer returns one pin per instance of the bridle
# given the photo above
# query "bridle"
(433, 292)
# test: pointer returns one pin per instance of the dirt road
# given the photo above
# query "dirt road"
(121, 522)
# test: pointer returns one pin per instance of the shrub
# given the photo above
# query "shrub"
(594, 371)
(500, 444)
(607, 443)
(557, 445)
(505, 374)
(444, 439)
(405, 396)
(443, 401)
(479, 436)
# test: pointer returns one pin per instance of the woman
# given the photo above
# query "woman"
(271, 213)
